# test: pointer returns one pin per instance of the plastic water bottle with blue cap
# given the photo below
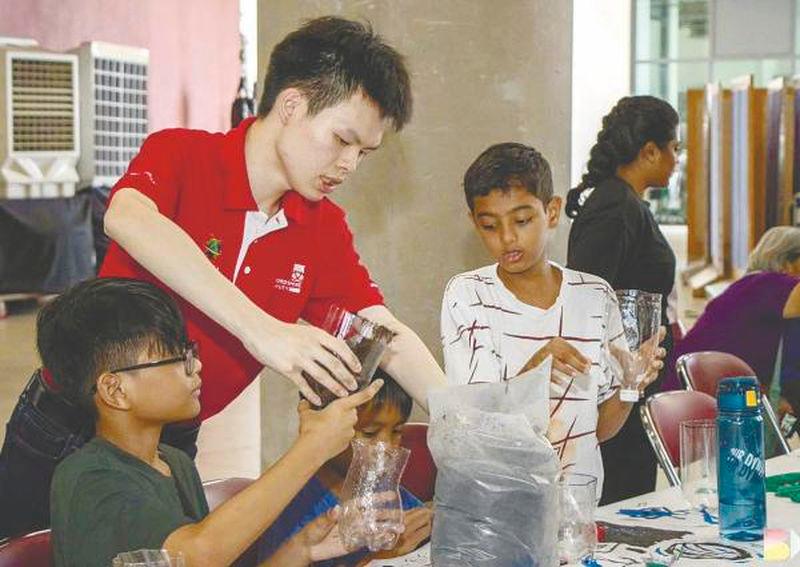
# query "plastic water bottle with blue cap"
(740, 480)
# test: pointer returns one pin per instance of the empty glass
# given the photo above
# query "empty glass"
(698, 450)
(577, 532)
(641, 319)
(372, 510)
(366, 339)
(148, 558)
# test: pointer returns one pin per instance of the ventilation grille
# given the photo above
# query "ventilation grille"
(120, 114)
(42, 105)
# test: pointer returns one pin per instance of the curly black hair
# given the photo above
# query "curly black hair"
(634, 121)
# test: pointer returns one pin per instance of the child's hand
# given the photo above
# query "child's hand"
(322, 537)
(566, 358)
(330, 430)
(418, 523)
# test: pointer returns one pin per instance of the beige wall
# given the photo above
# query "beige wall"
(483, 72)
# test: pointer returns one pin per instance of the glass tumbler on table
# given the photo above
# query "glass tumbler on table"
(698, 453)
(577, 532)
(148, 558)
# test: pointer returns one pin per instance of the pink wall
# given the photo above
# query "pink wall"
(194, 48)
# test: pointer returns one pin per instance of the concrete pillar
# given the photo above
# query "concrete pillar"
(483, 72)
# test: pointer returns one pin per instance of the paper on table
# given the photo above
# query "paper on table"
(419, 558)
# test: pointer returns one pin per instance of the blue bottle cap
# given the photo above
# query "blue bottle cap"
(741, 393)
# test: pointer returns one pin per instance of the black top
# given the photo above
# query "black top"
(616, 237)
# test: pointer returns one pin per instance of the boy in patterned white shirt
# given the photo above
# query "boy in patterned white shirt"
(502, 320)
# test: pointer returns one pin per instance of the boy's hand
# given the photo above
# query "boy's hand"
(330, 430)
(566, 358)
(317, 541)
(418, 523)
(322, 537)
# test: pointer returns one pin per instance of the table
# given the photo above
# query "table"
(781, 514)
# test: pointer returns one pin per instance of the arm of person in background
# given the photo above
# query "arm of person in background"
(407, 359)
(790, 368)
(228, 531)
(161, 246)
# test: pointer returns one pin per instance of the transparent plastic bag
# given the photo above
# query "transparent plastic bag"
(496, 488)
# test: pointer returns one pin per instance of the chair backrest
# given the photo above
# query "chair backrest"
(220, 490)
(661, 416)
(30, 550)
(420, 474)
(702, 371)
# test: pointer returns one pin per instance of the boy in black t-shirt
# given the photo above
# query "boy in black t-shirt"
(118, 349)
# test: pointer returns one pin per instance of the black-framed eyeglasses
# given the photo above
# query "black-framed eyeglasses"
(189, 357)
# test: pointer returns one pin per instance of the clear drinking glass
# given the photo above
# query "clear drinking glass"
(366, 339)
(641, 319)
(372, 510)
(577, 532)
(698, 446)
(148, 558)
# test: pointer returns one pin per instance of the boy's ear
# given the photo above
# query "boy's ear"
(111, 391)
(290, 103)
(553, 210)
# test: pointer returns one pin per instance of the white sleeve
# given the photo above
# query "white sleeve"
(469, 352)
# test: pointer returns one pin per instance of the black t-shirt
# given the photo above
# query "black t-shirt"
(616, 237)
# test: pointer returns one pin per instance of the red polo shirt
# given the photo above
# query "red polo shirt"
(304, 264)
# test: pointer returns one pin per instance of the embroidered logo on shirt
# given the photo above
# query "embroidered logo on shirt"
(213, 248)
(295, 282)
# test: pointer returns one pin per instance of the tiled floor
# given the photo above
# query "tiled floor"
(229, 444)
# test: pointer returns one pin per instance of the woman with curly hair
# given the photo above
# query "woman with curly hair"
(615, 236)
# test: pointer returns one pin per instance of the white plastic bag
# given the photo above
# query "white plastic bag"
(496, 492)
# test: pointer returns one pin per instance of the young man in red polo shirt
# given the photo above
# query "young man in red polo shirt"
(239, 229)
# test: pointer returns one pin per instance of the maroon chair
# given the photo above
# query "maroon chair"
(702, 371)
(217, 492)
(419, 478)
(661, 416)
(30, 550)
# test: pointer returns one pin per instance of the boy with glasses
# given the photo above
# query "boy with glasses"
(118, 350)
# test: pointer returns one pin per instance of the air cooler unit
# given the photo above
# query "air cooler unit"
(113, 109)
(39, 129)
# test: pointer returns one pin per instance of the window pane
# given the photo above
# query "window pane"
(671, 29)
(670, 81)
(763, 70)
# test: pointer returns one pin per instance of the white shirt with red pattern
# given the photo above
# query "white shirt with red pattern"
(488, 335)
